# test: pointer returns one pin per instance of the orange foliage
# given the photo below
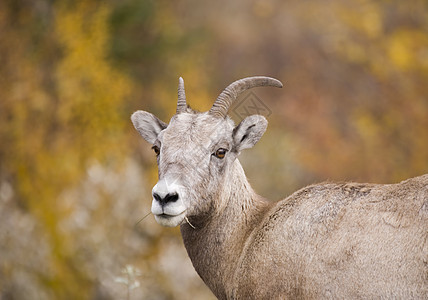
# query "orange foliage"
(75, 177)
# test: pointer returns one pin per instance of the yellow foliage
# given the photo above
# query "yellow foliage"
(53, 134)
(354, 106)
(83, 75)
(408, 49)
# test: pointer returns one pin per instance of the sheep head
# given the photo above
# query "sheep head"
(195, 152)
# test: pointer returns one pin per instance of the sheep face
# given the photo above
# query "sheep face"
(194, 154)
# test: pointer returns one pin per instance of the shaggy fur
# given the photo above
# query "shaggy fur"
(330, 240)
(342, 241)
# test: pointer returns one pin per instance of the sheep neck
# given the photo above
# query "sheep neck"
(216, 245)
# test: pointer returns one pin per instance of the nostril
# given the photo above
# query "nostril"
(167, 198)
(171, 198)
(157, 197)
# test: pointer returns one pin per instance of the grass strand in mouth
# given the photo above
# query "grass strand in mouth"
(187, 220)
(136, 224)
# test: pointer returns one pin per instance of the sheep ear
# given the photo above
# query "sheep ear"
(148, 125)
(249, 132)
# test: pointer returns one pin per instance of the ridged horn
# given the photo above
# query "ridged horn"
(181, 102)
(229, 94)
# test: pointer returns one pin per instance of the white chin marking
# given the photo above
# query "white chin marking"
(170, 221)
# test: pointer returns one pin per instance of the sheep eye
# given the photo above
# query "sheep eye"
(156, 149)
(220, 153)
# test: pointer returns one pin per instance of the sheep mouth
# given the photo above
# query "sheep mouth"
(166, 216)
(169, 215)
(170, 220)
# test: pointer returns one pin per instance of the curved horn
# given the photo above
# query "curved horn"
(226, 98)
(181, 103)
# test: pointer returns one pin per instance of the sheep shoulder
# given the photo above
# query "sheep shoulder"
(343, 240)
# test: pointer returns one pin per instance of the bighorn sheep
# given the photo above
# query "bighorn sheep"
(330, 240)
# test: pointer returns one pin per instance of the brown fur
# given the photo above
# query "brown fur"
(342, 241)
(331, 240)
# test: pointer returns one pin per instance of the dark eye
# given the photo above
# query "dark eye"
(220, 153)
(156, 149)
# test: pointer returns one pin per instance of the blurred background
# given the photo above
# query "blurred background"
(75, 176)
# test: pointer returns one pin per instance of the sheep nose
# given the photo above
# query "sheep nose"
(170, 197)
